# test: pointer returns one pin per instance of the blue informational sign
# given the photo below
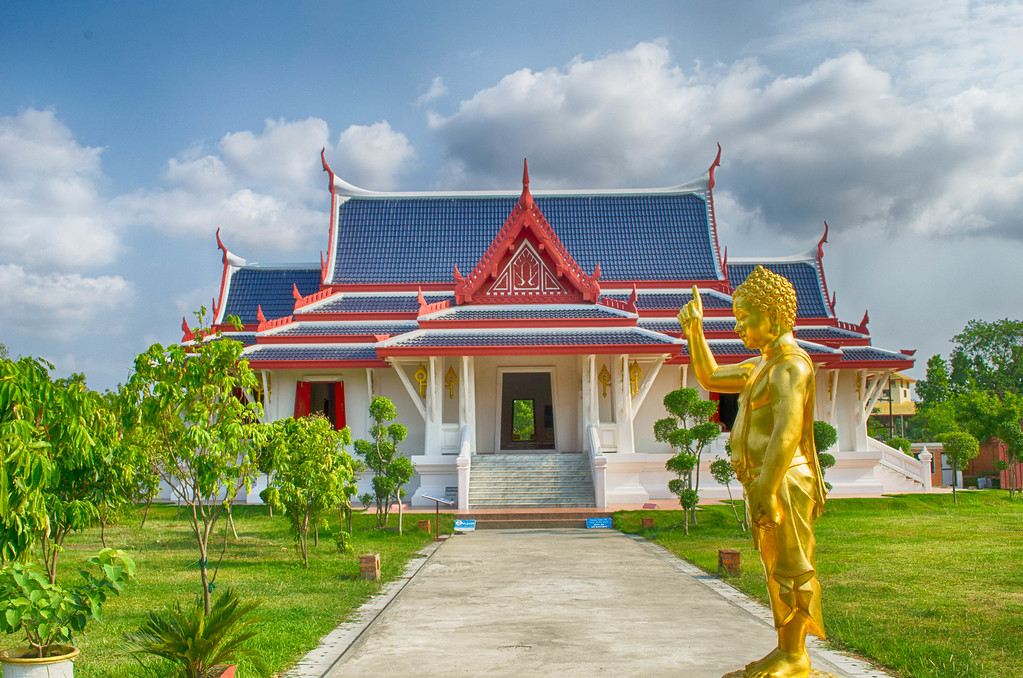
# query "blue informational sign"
(462, 525)
(593, 523)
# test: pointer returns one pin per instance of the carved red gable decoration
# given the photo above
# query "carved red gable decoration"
(526, 264)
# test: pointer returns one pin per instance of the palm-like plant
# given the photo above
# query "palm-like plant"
(196, 641)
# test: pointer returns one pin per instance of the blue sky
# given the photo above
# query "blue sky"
(129, 132)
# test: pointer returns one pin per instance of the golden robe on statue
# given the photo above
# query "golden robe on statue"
(787, 550)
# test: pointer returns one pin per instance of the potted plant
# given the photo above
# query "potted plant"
(205, 646)
(49, 615)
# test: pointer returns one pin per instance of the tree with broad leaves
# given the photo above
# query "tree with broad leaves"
(390, 469)
(688, 430)
(42, 423)
(206, 438)
(824, 436)
(724, 473)
(311, 471)
(959, 448)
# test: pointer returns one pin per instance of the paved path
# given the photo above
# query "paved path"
(559, 602)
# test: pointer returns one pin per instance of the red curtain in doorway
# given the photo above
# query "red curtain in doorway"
(339, 405)
(303, 399)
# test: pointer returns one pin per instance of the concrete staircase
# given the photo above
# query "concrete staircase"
(530, 481)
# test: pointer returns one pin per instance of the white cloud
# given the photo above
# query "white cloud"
(52, 215)
(436, 91)
(845, 142)
(58, 305)
(266, 190)
(373, 156)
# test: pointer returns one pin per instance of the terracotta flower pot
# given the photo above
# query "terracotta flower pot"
(226, 671)
(21, 662)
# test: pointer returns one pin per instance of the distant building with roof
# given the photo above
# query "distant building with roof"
(537, 326)
(896, 404)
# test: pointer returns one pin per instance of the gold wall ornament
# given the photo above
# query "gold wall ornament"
(420, 376)
(450, 379)
(773, 455)
(604, 376)
(831, 385)
(635, 374)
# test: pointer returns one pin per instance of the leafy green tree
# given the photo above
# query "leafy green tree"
(824, 436)
(40, 422)
(901, 444)
(688, 430)
(206, 438)
(959, 448)
(989, 356)
(724, 473)
(390, 469)
(311, 470)
(4, 353)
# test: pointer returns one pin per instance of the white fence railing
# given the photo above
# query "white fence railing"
(462, 465)
(598, 465)
(911, 467)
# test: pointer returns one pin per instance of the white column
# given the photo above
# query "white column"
(434, 435)
(624, 418)
(467, 399)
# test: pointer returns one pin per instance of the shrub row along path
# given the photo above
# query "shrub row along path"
(559, 602)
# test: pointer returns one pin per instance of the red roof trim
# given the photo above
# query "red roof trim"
(223, 279)
(552, 349)
(820, 270)
(525, 220)
(321, 338)
(313, 364)
(333, 218)
(518, 323)
(713, 214)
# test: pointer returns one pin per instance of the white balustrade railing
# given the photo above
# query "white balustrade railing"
(911, 467)
(598, 465)
(462, 465)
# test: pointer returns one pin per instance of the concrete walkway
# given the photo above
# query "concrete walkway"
(558, 602)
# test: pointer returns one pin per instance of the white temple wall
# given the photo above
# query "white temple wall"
(565, 383)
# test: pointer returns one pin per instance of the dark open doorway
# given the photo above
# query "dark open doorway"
(527, 411)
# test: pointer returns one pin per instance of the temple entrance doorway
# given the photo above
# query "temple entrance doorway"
(527, 412)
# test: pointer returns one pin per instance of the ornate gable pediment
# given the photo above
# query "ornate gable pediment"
(526, 263)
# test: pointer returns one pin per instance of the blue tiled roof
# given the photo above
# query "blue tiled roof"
(725, 348)
(738, 348)
(296, 352)
(253, 286)
(869, 353)
(803, 275)
(671, 300)
(632, 237)
(566, 337)
(550, 313)
(384, 303)
(672, 325)
(825, 333)
(247, 338)
(342, 328)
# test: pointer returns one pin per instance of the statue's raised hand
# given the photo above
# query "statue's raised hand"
(691, 315)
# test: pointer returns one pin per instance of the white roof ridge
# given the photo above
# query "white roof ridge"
(344, 189)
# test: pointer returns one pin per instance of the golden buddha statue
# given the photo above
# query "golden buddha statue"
(774, 456)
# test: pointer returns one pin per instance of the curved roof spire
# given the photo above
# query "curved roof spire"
(526, 199)
(714, 165)
(326, 167)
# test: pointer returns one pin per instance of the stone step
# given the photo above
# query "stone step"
(530, 480)
(526, 519)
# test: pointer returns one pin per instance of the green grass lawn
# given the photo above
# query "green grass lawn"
(912, 582)
(299, 606)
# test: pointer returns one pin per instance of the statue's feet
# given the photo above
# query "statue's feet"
(779, 664)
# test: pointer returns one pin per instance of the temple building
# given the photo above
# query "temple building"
(527, 339)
